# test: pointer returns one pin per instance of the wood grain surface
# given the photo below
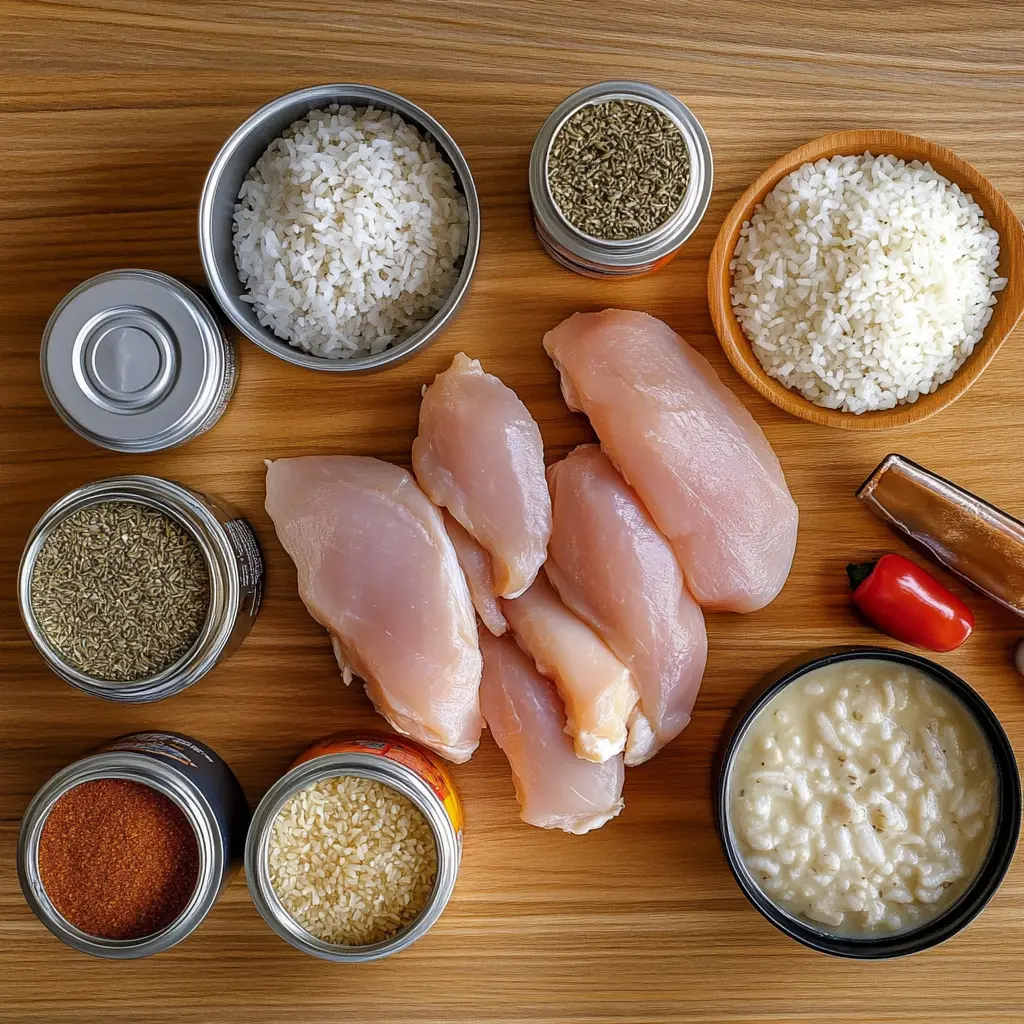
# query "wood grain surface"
(110, 113)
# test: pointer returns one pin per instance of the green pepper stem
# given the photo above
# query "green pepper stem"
(859, 572)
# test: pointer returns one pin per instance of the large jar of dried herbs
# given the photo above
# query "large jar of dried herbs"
(134, 587)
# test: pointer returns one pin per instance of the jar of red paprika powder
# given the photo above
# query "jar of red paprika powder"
(124, 853)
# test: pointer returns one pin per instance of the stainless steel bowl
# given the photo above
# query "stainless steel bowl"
(220, 193)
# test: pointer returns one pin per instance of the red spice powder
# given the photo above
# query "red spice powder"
(118, 859)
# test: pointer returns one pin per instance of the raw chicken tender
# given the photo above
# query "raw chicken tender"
(479, 454)
(476, 564)
(689, 448)
(613, 568)
(554, 787)
(594, 685)
(378, 571)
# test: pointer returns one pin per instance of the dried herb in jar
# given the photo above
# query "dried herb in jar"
(120, 590)
(618, 170)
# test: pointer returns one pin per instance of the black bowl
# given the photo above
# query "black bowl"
(988, 878)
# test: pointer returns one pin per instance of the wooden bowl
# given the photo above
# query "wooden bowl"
(1007, 312)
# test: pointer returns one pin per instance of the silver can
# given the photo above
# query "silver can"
(234, 564)
(136, 361)
(189, 774)
(597, 257)
(397, 763)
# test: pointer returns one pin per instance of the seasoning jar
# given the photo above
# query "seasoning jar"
(225, 545)
(595, 256)
(199, 786)
(136, 361)
(395, 762)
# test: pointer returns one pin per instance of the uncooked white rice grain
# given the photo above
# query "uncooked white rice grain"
(349, 232)
(864, 282)
(352, 860)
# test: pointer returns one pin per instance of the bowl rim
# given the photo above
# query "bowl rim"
(1006, 313)
(990, 874)
(315, 96)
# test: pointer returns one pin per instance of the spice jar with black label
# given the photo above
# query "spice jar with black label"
(133, 588)
(620, 177)
(124, 853)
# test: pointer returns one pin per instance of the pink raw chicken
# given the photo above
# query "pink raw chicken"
(476, 564)
(378, 571)
(479, 454)
(554, 787)
(613, 568)
(689, 448)
(594, 685)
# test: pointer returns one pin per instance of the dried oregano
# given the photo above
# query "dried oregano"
(120, 590)
(619, 169)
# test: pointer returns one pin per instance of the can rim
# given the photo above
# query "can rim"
(365, 766)
(667, 237)
(197, 418)
(181, 504)
(178, 788)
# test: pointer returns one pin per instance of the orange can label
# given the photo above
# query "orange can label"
(402, 751)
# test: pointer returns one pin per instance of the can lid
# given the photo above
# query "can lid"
(134, 360)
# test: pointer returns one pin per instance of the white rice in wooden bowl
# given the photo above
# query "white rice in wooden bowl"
(349, 232)
(864, 282)
(352, 860)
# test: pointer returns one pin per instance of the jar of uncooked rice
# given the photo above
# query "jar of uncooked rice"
(354, 853)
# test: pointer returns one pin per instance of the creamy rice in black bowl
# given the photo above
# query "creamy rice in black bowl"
(868, 802)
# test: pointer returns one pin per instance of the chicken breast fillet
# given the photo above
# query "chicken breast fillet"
(377, 570)
(479, 454)
(594, 685)
(617, 572)
(685, 443)
(476, 564)
(554, 787)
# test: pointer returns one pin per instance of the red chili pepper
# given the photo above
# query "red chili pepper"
(909, 604)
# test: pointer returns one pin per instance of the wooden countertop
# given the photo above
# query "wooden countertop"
(110, 113)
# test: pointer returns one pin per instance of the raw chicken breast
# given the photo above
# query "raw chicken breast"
(554, 787)
(479, 454)
(594, 685)
(613, 568)
(689, 448)
(476, 564)
(378, 571)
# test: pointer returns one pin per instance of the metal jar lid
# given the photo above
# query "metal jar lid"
(135, 361)
(605, 257)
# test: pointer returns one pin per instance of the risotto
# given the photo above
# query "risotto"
(863, 798)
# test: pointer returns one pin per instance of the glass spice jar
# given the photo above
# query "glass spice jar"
(234, 566)
(602, 257)
(206, 800)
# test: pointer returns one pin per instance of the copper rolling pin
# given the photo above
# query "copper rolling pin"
(973, 539)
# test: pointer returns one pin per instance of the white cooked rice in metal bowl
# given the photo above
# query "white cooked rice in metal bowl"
(349, 232)
(864, 282)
